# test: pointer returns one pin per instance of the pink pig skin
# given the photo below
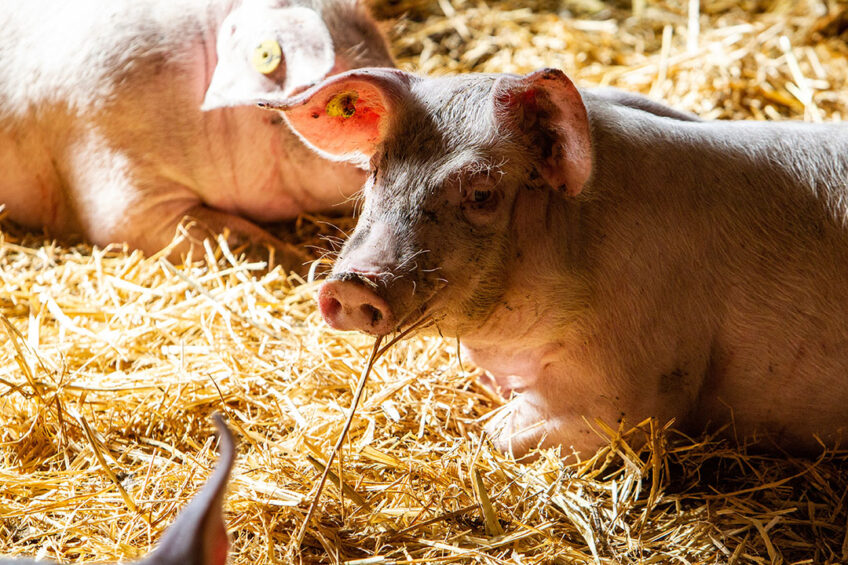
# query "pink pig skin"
(102, 133)
(601, 256)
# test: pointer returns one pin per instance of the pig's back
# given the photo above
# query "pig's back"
(68, 69)
(808, 161)
(77, 53)
(752, 166)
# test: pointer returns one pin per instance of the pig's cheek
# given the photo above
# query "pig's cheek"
(478, 220)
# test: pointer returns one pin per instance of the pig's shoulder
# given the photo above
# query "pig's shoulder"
(615, 120)
(626, 115)
(622, 99)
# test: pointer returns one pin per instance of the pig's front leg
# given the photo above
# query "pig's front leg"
(117, 201)
(562, 404)
(159, 227)
(244, 236)
(531, 420)
(545, 406)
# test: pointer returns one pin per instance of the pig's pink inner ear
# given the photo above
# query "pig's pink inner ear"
(345, 119)
(547, 106)
(216, 542)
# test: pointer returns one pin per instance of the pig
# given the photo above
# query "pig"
(199, 534)
(601, 257)
(119, 118)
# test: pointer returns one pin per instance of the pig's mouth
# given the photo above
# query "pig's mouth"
(425, 315)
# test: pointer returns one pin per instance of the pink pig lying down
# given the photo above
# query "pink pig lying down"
(601, 257)
(120, 118)
(199, 535)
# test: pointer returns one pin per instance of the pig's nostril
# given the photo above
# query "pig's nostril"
(349, 305)
(371, 313)
(330, 307)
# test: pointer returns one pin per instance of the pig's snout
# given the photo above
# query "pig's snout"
(350, 305)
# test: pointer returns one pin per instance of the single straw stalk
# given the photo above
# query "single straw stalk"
(376, 353)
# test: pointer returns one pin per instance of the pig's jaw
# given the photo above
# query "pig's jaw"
(537, 353)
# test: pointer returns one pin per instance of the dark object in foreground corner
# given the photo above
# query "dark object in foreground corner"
(199, 535)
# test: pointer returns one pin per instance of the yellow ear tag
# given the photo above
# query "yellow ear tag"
(267, 56)
(342, 105)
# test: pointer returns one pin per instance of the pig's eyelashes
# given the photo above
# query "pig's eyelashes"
(480, 196)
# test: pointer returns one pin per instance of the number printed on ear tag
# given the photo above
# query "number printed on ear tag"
(267, 56)
(342, 105)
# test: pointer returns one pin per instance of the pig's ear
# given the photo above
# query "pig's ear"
(199, 536)
(547, 107)
(264, 51)
(347, 116)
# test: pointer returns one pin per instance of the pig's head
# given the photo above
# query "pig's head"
(452, 162)
(277, 47)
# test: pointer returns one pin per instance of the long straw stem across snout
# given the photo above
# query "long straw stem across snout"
(376, 353)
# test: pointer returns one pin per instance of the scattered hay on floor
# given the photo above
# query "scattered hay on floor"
(111, 363)
(753, 59)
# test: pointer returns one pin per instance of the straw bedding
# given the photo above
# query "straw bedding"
(111, 363)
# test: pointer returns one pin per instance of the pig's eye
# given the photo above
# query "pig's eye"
(480, 202)
(480, 196)
(481, 199)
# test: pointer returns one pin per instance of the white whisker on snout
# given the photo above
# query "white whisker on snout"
(412, 258)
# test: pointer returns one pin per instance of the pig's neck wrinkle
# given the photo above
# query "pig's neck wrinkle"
(285, 178)
(513, 368)
(253, 166)
(223, 129)
(235, 137)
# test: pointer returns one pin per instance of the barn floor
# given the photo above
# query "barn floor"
(111, 363)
